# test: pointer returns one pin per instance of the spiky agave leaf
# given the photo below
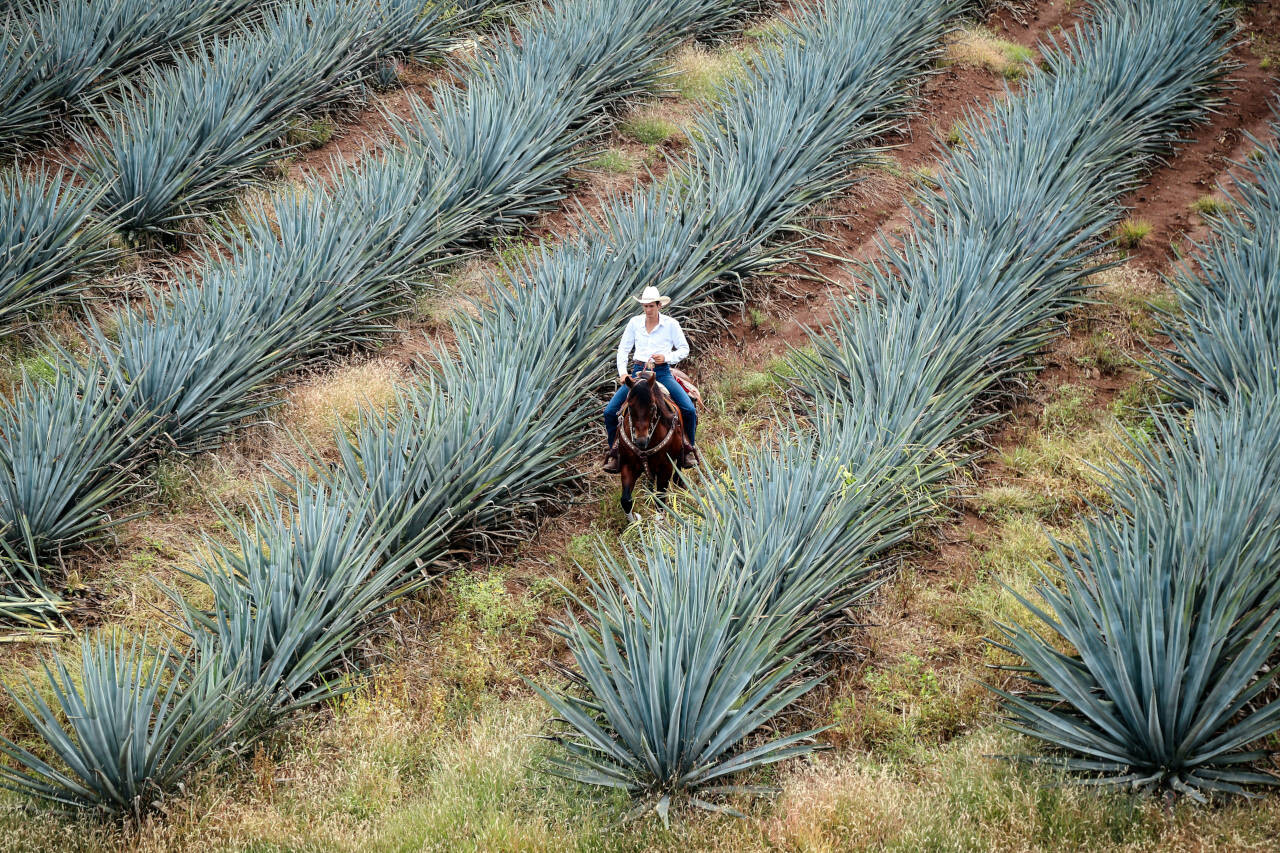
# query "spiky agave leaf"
(25, 90)
(968, 295)
(554, 302)
(912, 404)
(49, 241)
(65, 53)
(832, 87)
(710, 223)
(823, 509)
(191, 135)
(125, 729)
(417, 31)
(1226, 330)
(37, 617)
(691, 644)
(1170, 606)
(299, 281)
(673, 681)
(452, 466)
(566, 64)
(67, 451)
(776, 546)
(190, 370)
(184, 139)
(1171, 603)
(288, 298)
(295, 594)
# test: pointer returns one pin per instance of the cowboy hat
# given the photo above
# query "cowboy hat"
(651, 294)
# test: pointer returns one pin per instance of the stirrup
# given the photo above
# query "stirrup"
(612, 462)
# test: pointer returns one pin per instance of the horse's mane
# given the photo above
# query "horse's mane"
(645, 394)
(642, 392)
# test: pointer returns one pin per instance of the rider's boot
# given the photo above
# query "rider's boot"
(612, 464)
(689, 455)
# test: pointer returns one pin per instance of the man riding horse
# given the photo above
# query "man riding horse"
(651, 341)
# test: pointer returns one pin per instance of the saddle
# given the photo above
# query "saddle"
(685, 382)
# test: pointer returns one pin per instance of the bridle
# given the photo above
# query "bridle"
(624, 431)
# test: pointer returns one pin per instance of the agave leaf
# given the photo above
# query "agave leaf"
(62, 54)
(1188, 560)
(49, 242)
(297, 592)
(156, 167)
(128, 730)
(67, 452)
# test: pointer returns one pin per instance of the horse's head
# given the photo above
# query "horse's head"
(642, 408)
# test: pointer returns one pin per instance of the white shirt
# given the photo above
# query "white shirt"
(666, 338)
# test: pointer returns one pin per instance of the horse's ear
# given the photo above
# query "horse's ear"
(629, 381)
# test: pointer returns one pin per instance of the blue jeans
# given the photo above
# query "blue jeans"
(662, 373)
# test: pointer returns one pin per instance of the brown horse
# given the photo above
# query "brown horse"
(650, 437)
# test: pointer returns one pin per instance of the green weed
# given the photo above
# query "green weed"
(1070, 409)
(483, 600)
(513, 250)
(37, 366)
(908, 706)
(1008, 500)
(980, 47)
(1209, 205)
(649, 130)
(1101, 352)
(314, 133)
(1130, 233)
(612, 161)
(700, 74)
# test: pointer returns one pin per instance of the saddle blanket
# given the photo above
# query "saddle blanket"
(687, 385)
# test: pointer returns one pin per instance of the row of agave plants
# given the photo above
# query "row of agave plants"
(151, 166)
(691, 645)
(321, 266)
(59, 55)
(187, 135)
(1155, 640)
(310, 271)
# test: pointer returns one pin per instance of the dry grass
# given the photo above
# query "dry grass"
(333, 401)
(699, 73)
(1211, 205)
(435, 751)
(651, 127)
(397, 786)
(981, 48)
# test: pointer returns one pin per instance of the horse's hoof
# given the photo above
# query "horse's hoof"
(633, 517)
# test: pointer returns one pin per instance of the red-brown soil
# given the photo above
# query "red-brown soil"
(1198, 167)
(358, 135)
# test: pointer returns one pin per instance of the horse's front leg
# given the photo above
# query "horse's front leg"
(629, 477)
(662, 483)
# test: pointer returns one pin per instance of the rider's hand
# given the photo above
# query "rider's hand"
(622, 379)
(659, 358)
